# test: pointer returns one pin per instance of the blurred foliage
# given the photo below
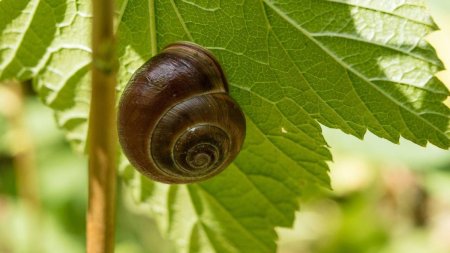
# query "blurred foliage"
(386, 198)
(3, 142)
(386, 207)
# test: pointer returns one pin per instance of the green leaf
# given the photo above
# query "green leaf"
(347, 64)
(49, 41)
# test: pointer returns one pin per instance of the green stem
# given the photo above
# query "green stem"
(102, 132)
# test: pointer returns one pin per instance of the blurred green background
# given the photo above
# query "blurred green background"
(387, 198)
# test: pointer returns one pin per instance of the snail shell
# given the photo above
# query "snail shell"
(176, 120)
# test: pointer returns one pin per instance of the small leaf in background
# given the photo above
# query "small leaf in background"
(352, 65)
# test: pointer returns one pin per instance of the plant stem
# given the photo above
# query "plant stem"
(102, 132)
(21, 144)
(12, 105)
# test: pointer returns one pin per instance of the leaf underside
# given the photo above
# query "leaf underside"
(347, 64)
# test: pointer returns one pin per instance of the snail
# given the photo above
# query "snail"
(176, 121)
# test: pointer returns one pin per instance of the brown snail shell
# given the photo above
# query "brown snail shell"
(176, 120)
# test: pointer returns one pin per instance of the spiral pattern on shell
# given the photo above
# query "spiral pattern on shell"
(176, 120)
